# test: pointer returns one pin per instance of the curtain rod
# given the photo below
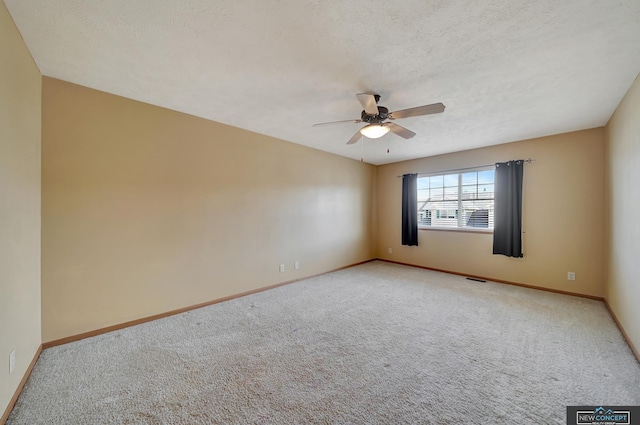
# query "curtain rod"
(528, 160)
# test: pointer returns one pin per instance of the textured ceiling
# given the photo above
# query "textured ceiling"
(506, 69)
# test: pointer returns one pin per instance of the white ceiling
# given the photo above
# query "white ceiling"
(506, 69)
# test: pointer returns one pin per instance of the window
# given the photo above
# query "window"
(459, 200)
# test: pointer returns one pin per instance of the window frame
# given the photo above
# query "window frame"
(460, 218)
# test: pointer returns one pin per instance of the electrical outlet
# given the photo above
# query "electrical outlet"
(12, 361)
(281, 268)
(571, 276)
(296, 265)
(390, 250)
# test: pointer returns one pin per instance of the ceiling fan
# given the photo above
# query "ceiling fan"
(375, 117)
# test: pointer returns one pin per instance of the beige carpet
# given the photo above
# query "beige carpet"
(375, 344)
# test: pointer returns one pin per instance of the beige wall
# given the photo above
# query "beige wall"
(145, 210)
(563, 215)
(20, 84)
(623, 219)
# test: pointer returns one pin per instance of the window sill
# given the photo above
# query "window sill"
(457, 229)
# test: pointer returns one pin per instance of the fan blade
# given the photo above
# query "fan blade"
(335, 122)
(355, 138)
(434, 108)
(399, 130)
(369, 103)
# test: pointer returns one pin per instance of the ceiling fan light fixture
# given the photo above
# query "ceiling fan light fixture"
(374, 131)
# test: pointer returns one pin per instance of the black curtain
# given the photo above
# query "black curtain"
(410, 209)
(507, 230)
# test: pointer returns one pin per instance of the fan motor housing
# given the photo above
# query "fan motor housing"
(383, 114)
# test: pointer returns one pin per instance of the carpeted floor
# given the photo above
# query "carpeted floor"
(377, 343)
